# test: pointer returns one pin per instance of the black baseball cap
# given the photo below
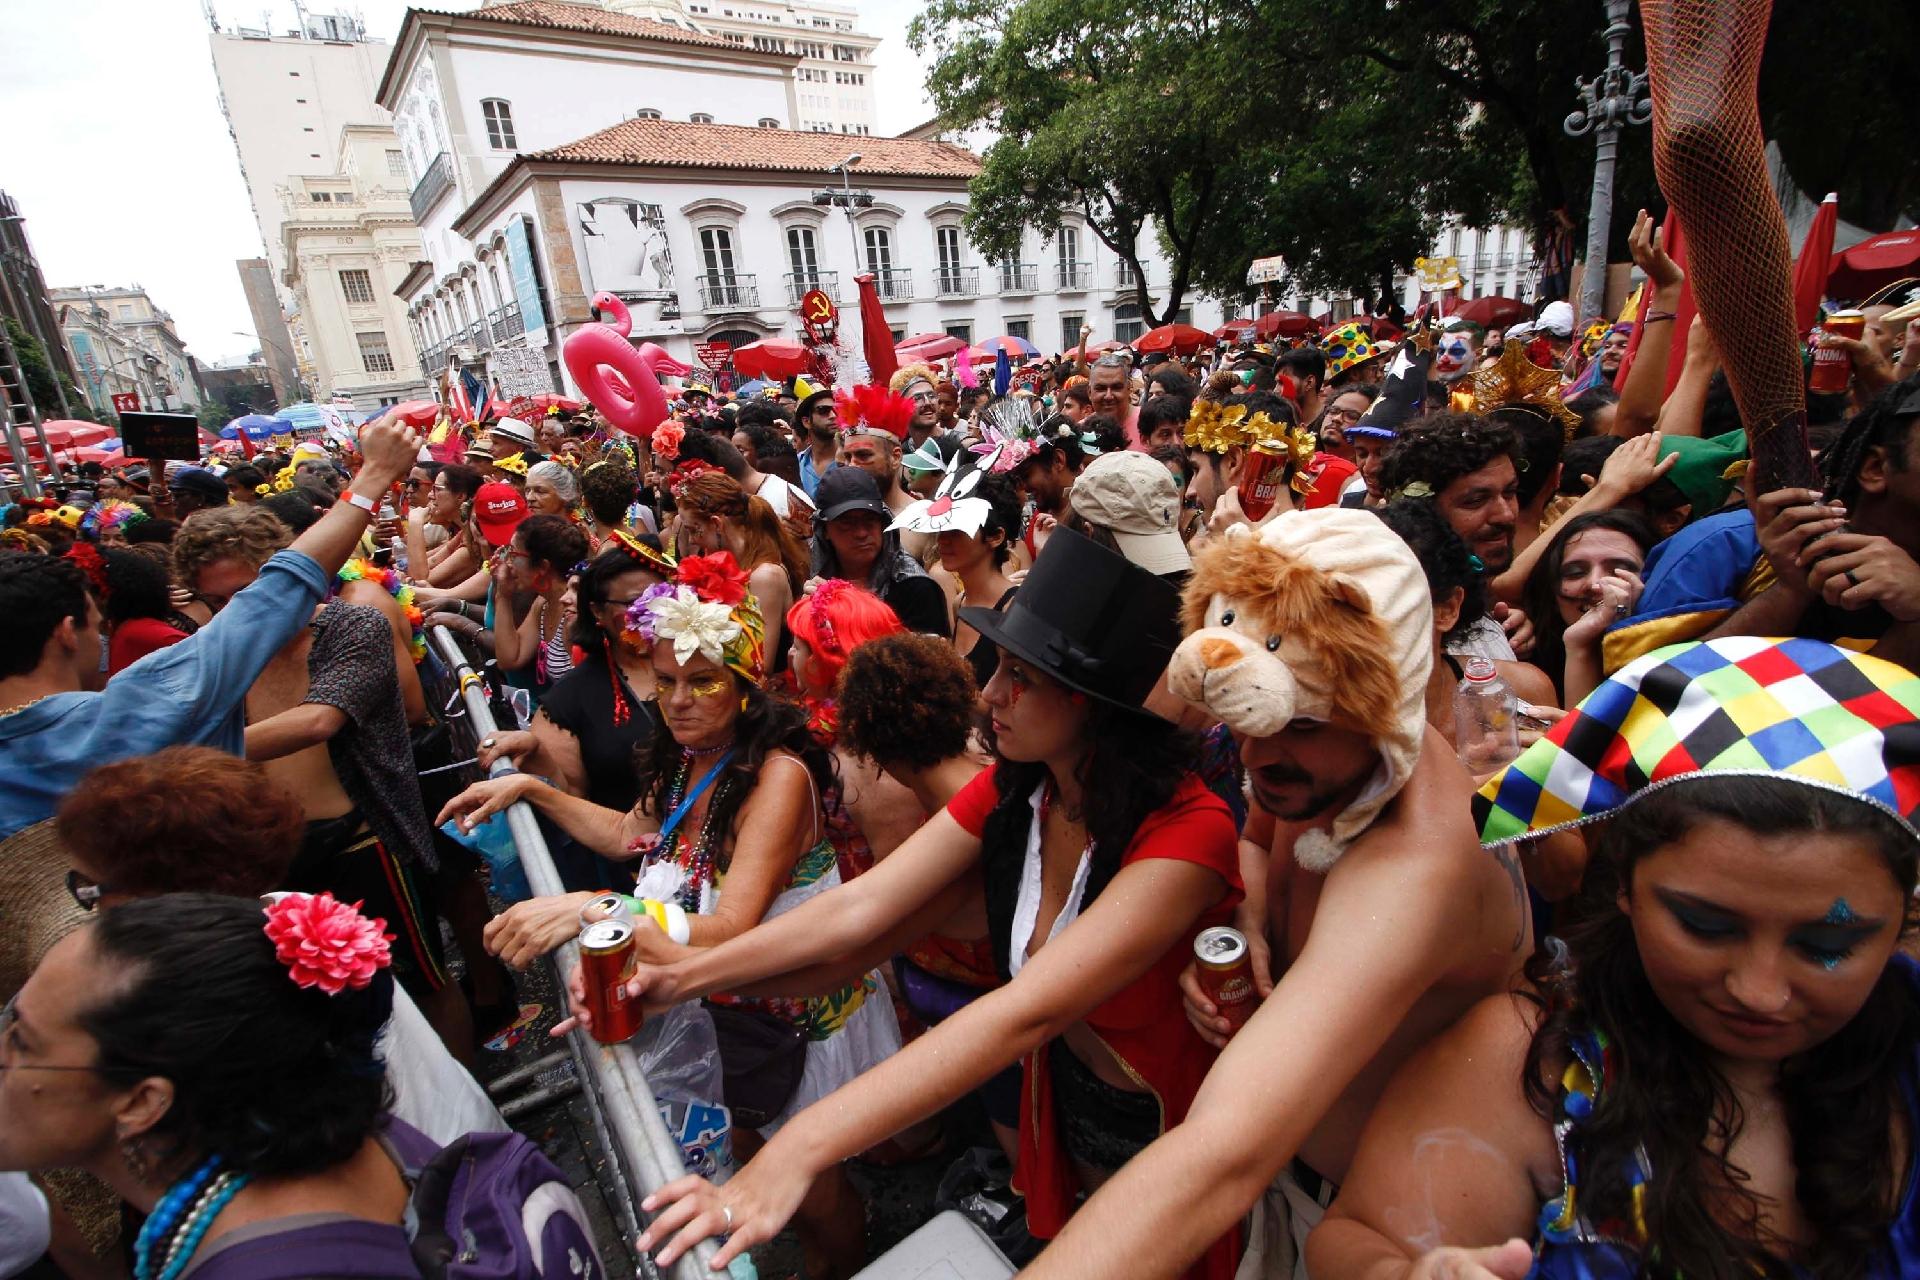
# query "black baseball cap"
(847, 489)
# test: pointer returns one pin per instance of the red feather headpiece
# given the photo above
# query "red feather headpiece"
(874, 409)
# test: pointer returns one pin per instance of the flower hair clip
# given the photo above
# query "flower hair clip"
(88, 557)
(687, 472)
(666, 439)
(326, 943)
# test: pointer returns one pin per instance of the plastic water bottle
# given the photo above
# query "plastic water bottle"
(1485, 733)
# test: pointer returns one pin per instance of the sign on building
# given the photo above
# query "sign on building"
(1266, 270)
(521, 371)
(127, 402)
(525, 273)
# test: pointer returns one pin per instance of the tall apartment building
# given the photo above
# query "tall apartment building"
(835, 89)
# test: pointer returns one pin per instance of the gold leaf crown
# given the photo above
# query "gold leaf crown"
(1216, 428)
(1515, 381)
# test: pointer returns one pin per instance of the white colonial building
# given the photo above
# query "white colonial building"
(348, 239)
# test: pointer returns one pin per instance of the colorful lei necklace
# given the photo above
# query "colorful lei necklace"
(180, 1221)
(396, 586)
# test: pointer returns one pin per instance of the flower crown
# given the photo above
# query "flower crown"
(1216, 428)
(686, 473)
(513, 462)
(873, 410)
(326, 943)
(707, 610)
(110, 515)
(87, 556)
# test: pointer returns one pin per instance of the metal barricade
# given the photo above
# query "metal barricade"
(643, 1154)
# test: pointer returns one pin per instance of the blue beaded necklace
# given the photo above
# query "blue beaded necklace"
(181, 1218)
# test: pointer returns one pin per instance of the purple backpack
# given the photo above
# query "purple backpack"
(489, 1206)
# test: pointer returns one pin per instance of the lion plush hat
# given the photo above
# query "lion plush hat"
(1325, 615)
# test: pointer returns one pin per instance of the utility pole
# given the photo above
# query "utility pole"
(849, 199)
(1610, 101)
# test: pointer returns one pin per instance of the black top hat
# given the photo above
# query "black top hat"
(1090, 619)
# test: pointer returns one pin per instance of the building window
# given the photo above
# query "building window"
(700, 117)
(646, 113)
(845, 53)
(374, 356)
(768, 122)
(396, 164)
(1126, 322)
(1070, 331)
(716, 252)
(1068, 246)
(879, 251)
(357, 285)
(1021, 329)
(320, 197)
(499, 118)
(946, 242)
(961, 329)
(801, 256)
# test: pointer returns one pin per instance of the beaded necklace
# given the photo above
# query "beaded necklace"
(181, 1219)
(695, 857)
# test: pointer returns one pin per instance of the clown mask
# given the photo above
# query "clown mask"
(1452, 356)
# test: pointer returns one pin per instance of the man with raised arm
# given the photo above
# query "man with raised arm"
(1369, 899)
(56, 722)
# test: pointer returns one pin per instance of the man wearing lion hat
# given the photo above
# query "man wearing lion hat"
(1385, 921)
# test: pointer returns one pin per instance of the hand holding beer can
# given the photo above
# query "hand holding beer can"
(1832, 368)
(1225, 971)
(1261, 476)
(607, 960)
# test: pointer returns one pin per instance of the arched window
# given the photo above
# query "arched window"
(499, 118)
(700, 117)
(768, 122)
(646, 113)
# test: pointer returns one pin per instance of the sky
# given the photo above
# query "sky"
(118, 156)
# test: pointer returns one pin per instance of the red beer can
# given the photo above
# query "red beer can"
(606, 962)
(1261, 477)
(1831, 368)
(1226, 973)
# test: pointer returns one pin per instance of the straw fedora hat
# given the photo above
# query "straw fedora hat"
(36, 910)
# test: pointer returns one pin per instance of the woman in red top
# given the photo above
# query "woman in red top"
(1090, 811)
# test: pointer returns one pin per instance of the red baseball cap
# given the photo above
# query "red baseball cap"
(498, 509)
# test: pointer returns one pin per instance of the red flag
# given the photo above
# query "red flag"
(1684, 313)
(876, 339)
(1810, 270)
(246, 444)
(457, 402)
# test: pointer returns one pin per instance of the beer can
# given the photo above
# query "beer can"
(604, 906)
(1225, 971)
(1261, 476)
(1831, 368)
(606, 962)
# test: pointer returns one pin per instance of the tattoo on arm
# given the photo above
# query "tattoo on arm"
(1508, 858)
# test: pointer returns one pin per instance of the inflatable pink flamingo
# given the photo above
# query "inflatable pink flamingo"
(622, 381)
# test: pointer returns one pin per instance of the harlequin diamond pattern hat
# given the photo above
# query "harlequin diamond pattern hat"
(1801, 710)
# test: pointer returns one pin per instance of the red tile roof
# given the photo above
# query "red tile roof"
(676, 144)
(560, 16)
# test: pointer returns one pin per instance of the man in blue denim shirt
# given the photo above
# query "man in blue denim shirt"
(53, 729)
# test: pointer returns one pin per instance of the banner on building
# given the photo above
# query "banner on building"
(525, 273)
(521, 372)
(89, 364)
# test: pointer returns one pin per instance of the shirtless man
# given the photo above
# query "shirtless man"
(1369, 898)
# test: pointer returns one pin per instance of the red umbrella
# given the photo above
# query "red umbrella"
(929, 346)
(1287, 324)
(1810, 268)
(105, 457)
(1017, 349)
(1878, 260)
(76, 431)
(1491, 311)
(876, 338)
(772, 358)
(1174, 337)
(549, 401)
(1235, 330)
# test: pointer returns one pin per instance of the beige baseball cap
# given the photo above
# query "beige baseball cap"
(1133, 497)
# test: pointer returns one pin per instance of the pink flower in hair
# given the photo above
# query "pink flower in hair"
(327, 944)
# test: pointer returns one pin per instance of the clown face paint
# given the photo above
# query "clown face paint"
(1452, 356)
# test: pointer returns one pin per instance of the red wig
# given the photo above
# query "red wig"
(834, 621)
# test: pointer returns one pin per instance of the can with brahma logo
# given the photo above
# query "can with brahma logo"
(1225, 971)
(1831, 367)
(606, 962)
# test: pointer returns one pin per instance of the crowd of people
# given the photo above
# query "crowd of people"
(1555, 779)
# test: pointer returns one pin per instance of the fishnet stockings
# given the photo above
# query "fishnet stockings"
(1703, 59)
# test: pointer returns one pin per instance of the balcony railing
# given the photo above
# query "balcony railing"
(729, 293)
(956, 282)
(1073, 276)
(478, 336)
(433, 184)
(1124, 278)
(894, 285)
(433, 359)
(1019, 277)
(506, 323)
(801, 283)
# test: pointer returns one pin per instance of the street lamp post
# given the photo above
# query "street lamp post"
(849, 199)
(1610, 101)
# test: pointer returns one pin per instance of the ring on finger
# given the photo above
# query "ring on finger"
(1852, 581)
(487, 745)
(726, 1212)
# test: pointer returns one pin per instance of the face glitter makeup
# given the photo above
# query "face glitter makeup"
(1840, 913)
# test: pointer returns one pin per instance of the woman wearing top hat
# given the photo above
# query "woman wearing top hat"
(1099, 854)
